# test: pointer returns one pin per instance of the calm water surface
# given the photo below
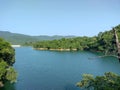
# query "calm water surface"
(52, 70)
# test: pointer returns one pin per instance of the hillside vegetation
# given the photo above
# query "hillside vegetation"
(7, 59)
(109, 81)
(103, 42)
(15, 38)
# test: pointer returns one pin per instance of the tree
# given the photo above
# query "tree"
(7, 59)
(109, 81)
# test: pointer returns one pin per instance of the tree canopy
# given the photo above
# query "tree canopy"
(7, 59)
(109, 81)
(103, 42)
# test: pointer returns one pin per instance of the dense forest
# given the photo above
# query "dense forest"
(7, 59)
(103, 42)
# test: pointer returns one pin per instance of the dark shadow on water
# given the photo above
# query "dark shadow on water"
(71, 87)
(8, 86)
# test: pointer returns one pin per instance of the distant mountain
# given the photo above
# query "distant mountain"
(15, 38)
(45, 37)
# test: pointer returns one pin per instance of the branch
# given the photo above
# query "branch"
(103, 56)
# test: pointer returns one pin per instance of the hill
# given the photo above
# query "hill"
(15, 38)
(103, 42)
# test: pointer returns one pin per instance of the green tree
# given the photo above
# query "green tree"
(11, 74)
(109, 81)
(7, 59)
(104, 42)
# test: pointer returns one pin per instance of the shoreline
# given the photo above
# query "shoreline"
(62, 50)
(52, 49)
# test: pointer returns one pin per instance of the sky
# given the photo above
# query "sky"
(59, 17)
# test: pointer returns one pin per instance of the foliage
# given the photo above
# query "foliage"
(78, 43)
(22, 39)
(7, 53)
(109, 81)
(3, 66)
(7, 59)
(103, 42)
(11, 75)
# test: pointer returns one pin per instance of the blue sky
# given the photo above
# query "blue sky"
(59, 17)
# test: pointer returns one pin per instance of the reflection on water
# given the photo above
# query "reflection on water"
(8, 86)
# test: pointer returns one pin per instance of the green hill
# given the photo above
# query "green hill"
(103, 42)
(15, 38)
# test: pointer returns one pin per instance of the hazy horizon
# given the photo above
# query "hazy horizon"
(59, 17)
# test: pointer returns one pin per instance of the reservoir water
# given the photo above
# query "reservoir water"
(53, 70)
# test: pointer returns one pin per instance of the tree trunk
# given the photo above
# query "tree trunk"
(117, 44)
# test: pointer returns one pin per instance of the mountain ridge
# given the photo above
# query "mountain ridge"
(16, 38)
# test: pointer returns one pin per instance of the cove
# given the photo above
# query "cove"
(54, 70)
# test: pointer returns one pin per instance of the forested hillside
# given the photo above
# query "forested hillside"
(103, 42)
(15, 38)
(7, 59)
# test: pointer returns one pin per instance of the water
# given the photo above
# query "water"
(52, 70)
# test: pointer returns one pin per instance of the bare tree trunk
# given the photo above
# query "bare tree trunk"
(117, 44)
